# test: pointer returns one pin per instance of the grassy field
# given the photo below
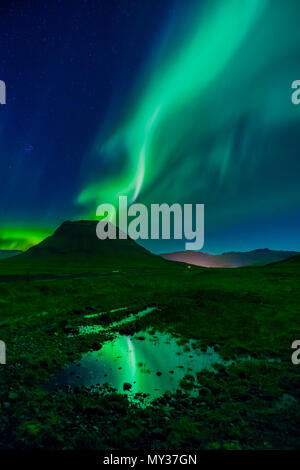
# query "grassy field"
(241, 312)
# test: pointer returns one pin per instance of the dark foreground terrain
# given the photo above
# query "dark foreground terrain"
(248, 313)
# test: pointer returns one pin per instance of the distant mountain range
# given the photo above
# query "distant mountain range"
(9, 253)
(233, 259)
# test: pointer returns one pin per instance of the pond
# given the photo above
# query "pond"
(143, 363)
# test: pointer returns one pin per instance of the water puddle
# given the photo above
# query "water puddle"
(89, 329)
(142, 363)
(95, 315)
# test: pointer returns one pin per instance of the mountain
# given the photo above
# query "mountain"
(9, 253)
(230, 260)
(75, 245)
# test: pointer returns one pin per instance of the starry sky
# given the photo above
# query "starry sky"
(159, 100)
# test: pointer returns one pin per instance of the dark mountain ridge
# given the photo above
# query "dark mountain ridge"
(75, 244)
(259, 257)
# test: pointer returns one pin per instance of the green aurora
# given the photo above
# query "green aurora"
(222, 69)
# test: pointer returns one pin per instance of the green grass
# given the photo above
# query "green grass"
(244, 311)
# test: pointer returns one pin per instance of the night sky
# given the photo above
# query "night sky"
(159, 100)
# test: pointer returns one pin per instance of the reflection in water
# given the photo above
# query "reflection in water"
(94, 315)
(88, 329)
(150, 364)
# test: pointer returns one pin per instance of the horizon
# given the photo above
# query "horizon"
(142, 243)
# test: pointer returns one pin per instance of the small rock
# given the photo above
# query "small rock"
(96, 346)
(126, 386)
(12, 396)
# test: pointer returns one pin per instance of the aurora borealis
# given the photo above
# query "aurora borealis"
(158, 101)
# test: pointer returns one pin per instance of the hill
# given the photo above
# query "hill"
(291, 262)
(74, 247)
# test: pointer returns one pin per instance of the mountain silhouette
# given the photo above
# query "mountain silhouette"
(292, 262)
(76, 244)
